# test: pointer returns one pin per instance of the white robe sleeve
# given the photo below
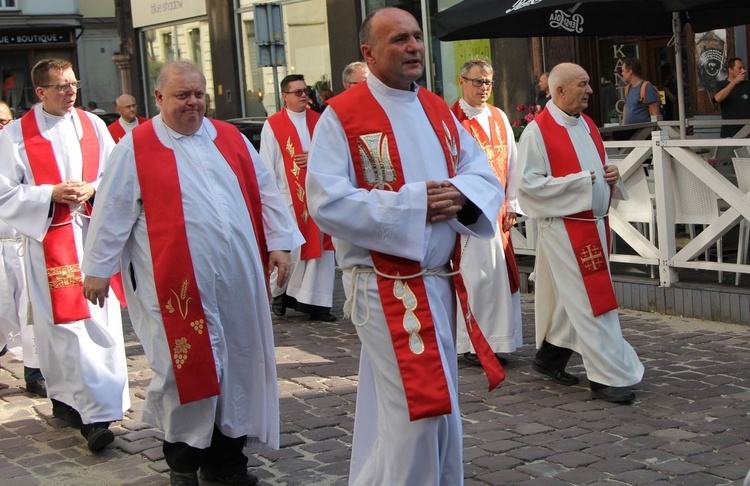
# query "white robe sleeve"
(511, 183)
(541, 195)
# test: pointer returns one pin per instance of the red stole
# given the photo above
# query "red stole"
(495, 146)
(405, 302)
(289, 143)
(584, 236)
(181, 308)
(117, 131)
(60, 252)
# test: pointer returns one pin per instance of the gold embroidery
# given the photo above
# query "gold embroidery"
(376, 160)
(64, 276)
(452, 147)
(411, 323)
(290, 150)
(182, 300)
(501, 146)
(484, 145)
(198, 325)
(591, 257)
(180, 352)
(301, 196)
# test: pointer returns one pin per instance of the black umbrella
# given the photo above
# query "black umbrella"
(487, 19)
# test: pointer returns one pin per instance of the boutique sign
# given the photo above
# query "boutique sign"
(28, 38)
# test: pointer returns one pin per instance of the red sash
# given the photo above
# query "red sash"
(289, 143)
(117, 131)
(584, 236)
(405, 302)
(496, 147)
(60, 251)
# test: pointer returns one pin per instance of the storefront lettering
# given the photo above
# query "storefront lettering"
(561, 20)
(166, 6)
(15, 39)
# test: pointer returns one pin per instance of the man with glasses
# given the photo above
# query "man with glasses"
(489, 266)
(16, 333)
(284, 143)
(53, 159)
(733, 96)
(129, 119)
(354, 73)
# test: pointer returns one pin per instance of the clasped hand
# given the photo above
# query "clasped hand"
(72, 192)
(444, 201)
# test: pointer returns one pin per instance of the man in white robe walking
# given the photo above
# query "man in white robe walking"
(489, 266)
(284, 145)
(228, 212)
(394, 179)
(566, 184)
(53, 159)
(16, 333)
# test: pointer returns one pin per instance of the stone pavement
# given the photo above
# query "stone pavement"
(689, 425)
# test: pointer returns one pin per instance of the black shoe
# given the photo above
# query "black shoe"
(472, 359)
(277, 306)
(614, 394)
(98, 438)
(237, 479)
(4, 350)
(38, 387)
(503, 361)
(183, 479)
(328, 317)
(67, 413)
(558, 376)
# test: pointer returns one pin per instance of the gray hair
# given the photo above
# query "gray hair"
(562, 74)
(350, 68)
(485, 66)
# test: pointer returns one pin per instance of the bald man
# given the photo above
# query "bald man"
(129, 119)
(566, 185)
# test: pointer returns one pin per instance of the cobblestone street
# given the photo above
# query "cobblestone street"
(688, 426)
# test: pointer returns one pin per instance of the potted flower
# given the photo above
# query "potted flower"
(520, 123)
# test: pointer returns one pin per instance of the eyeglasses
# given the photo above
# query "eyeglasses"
(479, 81)
(62, 88)
(298, 92)
(5, 121)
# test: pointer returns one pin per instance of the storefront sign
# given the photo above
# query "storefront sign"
(153, 12)
(28, 38)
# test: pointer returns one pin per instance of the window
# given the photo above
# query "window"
(9, 5)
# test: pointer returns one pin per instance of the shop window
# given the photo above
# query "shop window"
(195, 45)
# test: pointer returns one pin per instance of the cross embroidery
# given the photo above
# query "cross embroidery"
(65, 276)
(591, 257)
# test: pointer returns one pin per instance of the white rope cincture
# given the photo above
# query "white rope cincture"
(72, 218)
(350, 304)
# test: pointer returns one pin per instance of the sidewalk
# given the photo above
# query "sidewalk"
(688, 426)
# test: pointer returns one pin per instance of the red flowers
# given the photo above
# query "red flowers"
(520, 123)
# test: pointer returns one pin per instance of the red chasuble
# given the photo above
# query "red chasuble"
(289, 143)
(405, 302)
(495, 145)
(117, 131)
(582, 231)
(176, 287)
(60, 251)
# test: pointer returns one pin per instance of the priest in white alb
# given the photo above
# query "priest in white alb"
(395, 179)
(489, 266)
(566, 184)
(53, 159)
(196, 235)
(284, 144)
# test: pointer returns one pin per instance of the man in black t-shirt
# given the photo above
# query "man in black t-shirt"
(733, 96)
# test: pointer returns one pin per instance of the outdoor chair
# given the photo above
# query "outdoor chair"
(695, 203)
(638, 208)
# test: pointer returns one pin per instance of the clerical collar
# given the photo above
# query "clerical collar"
(126, 123)
(471, 111)
(57, 117)
(301, 114)
(398, 95)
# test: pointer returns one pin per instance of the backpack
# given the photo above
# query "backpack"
(644, 86)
